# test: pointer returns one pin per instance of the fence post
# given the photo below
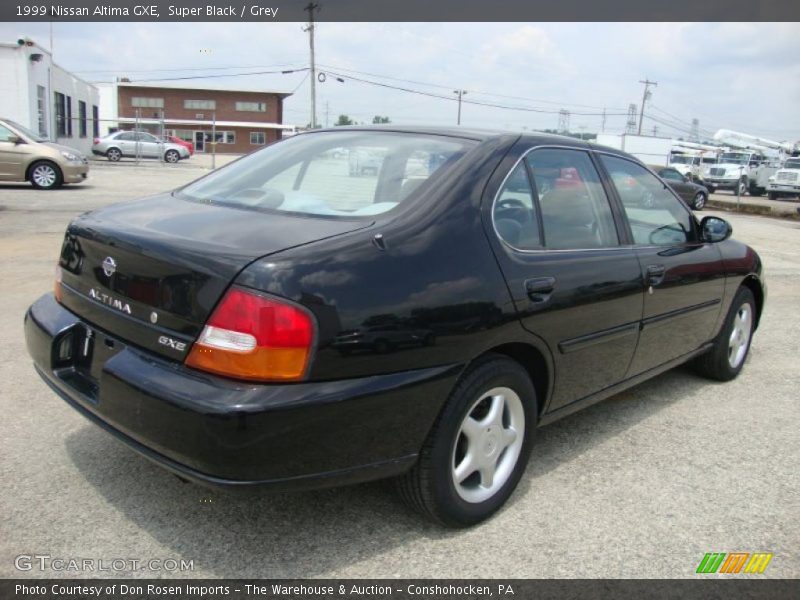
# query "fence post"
(213, 140)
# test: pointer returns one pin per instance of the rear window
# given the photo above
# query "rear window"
(346, 174)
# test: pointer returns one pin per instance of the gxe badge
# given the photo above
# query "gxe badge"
(109, 266)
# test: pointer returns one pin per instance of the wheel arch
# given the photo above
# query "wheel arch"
(533, 361)
(38, 161)
(752, 283)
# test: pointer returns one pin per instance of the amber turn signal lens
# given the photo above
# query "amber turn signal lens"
(255, 337)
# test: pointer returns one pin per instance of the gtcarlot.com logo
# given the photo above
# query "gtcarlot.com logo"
(734, 562)
(45, 562)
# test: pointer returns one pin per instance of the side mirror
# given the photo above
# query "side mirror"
(714, 229)
(15, 139)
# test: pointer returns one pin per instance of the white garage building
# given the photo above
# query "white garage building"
(37, 93)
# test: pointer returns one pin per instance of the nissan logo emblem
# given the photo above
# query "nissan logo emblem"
(109, 266)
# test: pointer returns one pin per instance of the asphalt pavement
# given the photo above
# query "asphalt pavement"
(641, 485)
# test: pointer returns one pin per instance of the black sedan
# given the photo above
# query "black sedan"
(694, 194)
(205, 327)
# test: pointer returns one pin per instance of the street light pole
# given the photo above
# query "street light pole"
(311, 7)
(460, 93)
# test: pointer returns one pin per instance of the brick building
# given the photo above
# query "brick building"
(240, 121)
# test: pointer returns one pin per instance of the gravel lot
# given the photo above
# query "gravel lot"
(641, 485)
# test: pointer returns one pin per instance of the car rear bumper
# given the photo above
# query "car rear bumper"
(222, 432)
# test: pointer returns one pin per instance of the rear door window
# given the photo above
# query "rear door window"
(514, 212)
(575, 211)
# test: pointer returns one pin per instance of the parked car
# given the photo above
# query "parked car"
(200, 326)
(120, 144)
(27, 156)
(693, 194)
(172, 139)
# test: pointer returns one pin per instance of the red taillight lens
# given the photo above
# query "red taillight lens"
(57, 284)
(96, 141)
(254, 337)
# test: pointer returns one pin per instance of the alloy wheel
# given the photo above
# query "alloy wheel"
(740, 335)
(44, 176)
(488, 445)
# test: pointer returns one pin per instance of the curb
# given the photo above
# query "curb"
(754, 209)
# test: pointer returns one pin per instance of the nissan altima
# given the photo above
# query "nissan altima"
(502, 281)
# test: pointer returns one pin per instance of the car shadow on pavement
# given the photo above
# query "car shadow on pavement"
(308, 534)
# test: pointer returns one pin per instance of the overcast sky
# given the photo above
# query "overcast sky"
(737, 76)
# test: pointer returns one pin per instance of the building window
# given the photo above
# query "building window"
(82, 118)
(257, 138)
(142, 102)
(95, 121)
(69, 116)
(252, 106)
(41, 102)
(61, 111)
(200, 104)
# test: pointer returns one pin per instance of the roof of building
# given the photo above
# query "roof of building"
(207, 123)
(168, 86)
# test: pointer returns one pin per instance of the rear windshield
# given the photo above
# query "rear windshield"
(346, 174)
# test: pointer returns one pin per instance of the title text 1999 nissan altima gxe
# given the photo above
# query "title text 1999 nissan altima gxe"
(204, 327)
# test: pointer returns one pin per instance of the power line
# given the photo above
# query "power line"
(453, 99)
(283, 72)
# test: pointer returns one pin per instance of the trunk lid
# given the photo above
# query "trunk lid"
(150, 272)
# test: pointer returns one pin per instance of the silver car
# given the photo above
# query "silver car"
(137, 143)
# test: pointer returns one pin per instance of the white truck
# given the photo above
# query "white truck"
(786, 181)
(746, 171)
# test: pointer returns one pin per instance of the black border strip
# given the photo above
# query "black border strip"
(405, 11)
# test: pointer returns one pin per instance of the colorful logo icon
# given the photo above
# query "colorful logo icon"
(734, 562)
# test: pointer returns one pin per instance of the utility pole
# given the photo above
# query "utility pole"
(647, 83)
(459, 93)
(327, 111)
(311, 7)
(603, 124)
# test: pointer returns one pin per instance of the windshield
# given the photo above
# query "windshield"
(736, 158)
(26, 132)
(792, 164)
(348, 173)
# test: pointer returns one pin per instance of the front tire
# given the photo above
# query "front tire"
(477, 450)
(728, 354)
(773, 196)
(172, 156)
(699, 201)
(743, 187)
(45, 175)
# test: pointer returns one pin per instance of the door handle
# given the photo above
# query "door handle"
(539, 289)
(655, 274)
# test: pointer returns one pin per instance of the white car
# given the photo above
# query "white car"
(138, 143)
(786, 182)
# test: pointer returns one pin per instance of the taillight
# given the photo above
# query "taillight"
(57, 283)
(254, 337)
(96, 141)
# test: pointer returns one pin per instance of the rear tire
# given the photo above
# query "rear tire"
(727, 356)
(45, 175)
(773, 196)
(478, 447)
(114, 154)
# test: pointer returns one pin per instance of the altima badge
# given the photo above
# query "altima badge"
(109, 266)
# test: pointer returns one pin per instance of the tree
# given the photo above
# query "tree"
(344, 120)
(379, 120)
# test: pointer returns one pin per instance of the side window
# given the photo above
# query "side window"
(575, 210)
(514, 211)
(5, 134)
(656, 216)
(126, 137)
(671, 174)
